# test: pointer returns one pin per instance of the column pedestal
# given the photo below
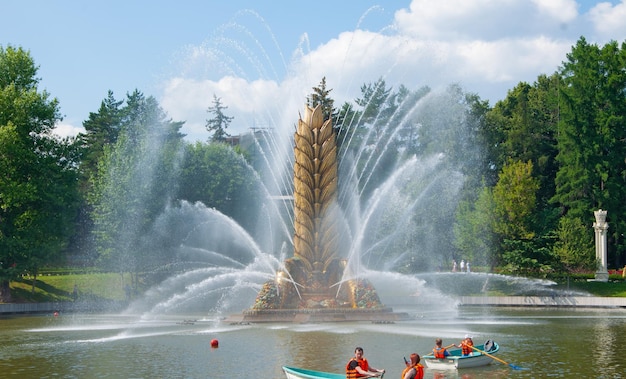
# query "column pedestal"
(600, 228)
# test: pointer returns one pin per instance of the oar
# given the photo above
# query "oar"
(514, 367)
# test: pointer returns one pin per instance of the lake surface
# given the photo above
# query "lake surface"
(547, 343)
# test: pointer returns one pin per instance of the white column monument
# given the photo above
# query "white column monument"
(600, 227)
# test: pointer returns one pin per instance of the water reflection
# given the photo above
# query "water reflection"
(489, 372)
(563, 343)
(605, 342)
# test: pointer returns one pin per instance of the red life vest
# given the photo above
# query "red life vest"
(466, 347)
(439, 352)
(419, 371)
(352, 373)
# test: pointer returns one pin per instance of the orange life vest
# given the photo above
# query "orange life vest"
(466, 347)
(352, 373)
(439, 352)
(419, 371)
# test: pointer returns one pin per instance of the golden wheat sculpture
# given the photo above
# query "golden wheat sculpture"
(313, 277)
(315, 191)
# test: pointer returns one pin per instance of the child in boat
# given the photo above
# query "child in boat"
(466, 346)
(440, 352)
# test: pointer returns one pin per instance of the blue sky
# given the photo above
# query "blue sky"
(257, 54)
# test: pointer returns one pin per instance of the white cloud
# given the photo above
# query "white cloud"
(561, 10)
(248, 103)
(508, 61)
(609, 20)
(486, 46)
(64, 129)
(466, 19)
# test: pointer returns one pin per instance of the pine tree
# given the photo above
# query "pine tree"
(219, 123)
(320, 96)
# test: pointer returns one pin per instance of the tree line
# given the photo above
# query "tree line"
(535, 166)
(89, 199)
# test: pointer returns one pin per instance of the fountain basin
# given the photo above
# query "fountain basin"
(309, 315)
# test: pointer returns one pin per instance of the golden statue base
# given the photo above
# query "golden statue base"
(319, 315)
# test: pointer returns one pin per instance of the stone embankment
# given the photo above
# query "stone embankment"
(489, 301)
(544, 301)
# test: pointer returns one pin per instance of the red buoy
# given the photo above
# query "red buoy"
(214, 343)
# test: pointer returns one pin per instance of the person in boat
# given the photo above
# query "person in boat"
(413, 370)
(438, 351)
(466, 345)
(358, 367)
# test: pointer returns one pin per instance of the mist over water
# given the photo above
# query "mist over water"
(398, 192)
(394, 218)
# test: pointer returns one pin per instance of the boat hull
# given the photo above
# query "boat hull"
(301, 373)
(456, 361)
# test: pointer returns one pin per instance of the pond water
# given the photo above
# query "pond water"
(547, 343)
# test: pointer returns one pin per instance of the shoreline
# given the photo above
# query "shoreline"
(463, 301)
(544, 301)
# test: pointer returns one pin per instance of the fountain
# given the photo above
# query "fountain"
(334, 252)
(316, 284)
(369, 225)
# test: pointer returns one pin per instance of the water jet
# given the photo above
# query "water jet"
(316, 284)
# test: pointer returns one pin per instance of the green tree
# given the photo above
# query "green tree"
(38, 190)
(592, 170)
(515, 200)
(220, 122)
(136, 179)
(574, 245)
(470, 154)
(345, 117)
(448, 122)
(220, 178)
(523, 127)
(373, 98)
(321, 96)
(474, 230)
(373, 129)
(579, 139)
(361, 126)
(101, 129)
(528, 124)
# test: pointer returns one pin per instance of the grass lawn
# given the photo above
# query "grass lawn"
(610, 289)
(92, 286)
(110, 286)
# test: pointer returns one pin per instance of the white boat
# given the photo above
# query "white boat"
(301, 373)
(456, 361)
